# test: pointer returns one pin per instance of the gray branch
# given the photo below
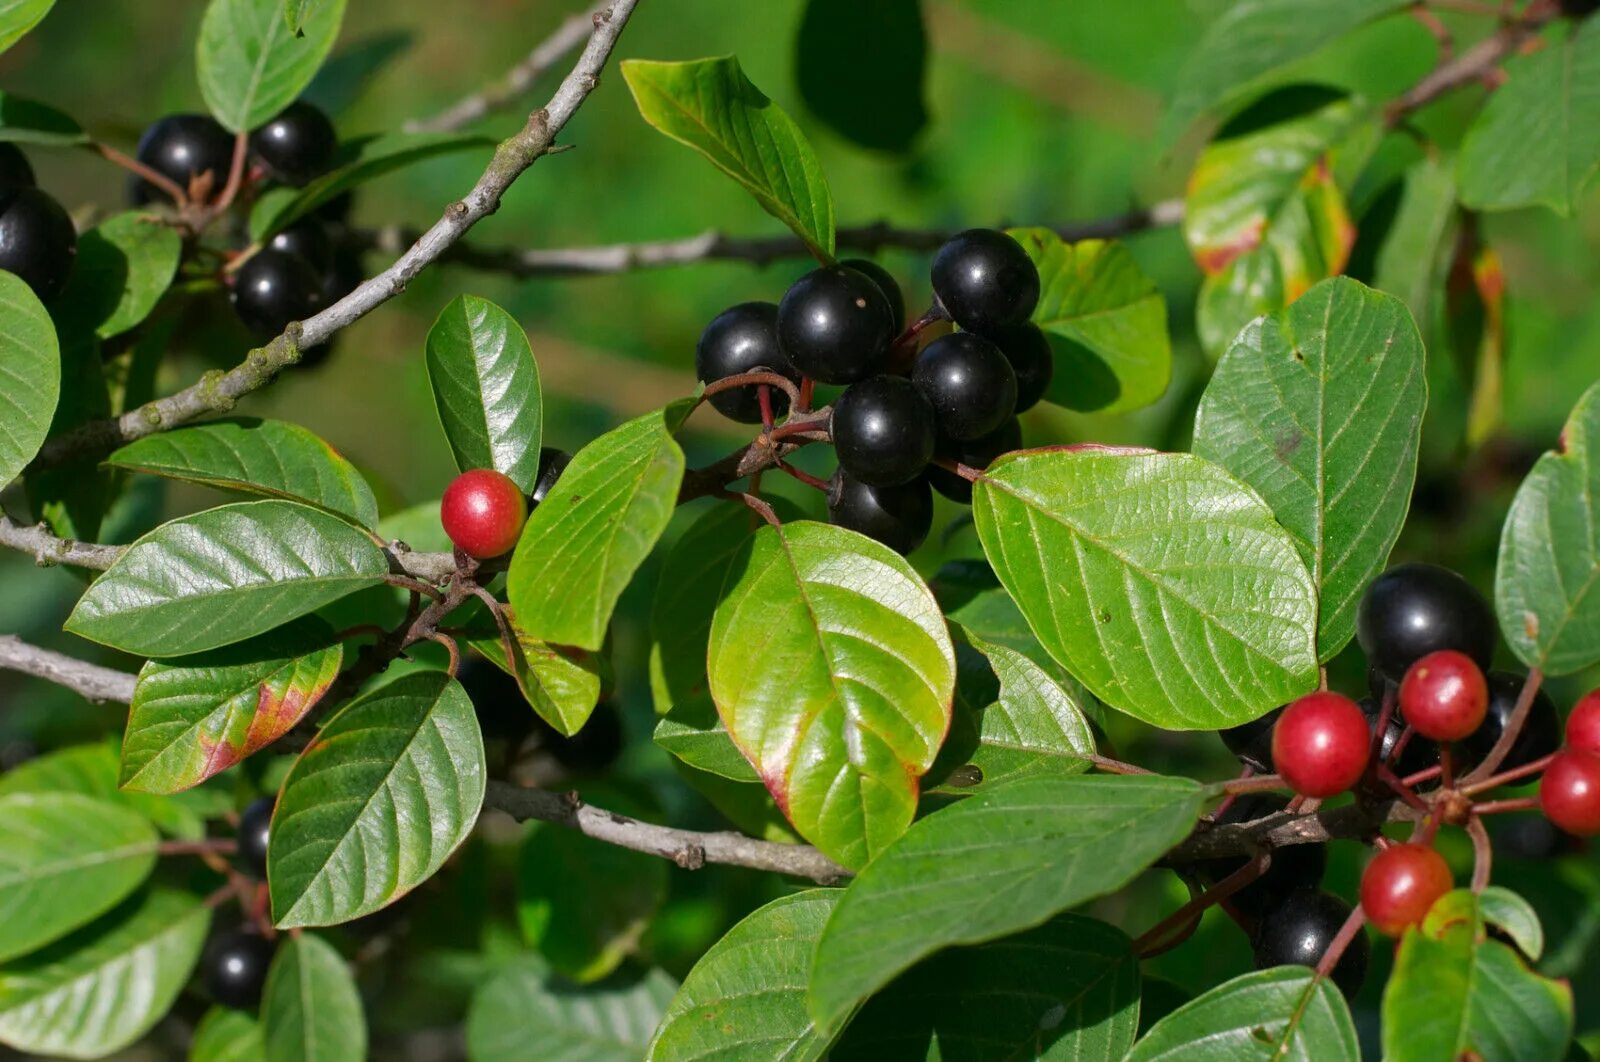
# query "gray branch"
(714, 246)
(546, 54)
(91, 680)
(218, 392)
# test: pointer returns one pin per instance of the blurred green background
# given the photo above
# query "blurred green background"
(1042, 112)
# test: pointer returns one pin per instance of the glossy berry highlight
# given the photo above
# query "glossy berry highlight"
(552, 462)
(898, 516)
(834, 325)
(38, 242)
(1415, 609)
(738, 340)
(182, 148)
(297, 145)
(483, 512)
(1320, 744)
(255, 829)
(969, 384)
(985, 280)
(1401, 884)
(883, 431)
(234, 968)
(1298, 932)
(886, 284)
(272, 289)
(1569, 792)
(1444, 695)
(1583, 725)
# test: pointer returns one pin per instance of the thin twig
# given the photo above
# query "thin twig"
(1482, 853)
(91, 680)
(1473, 64)
(173, 190)
(1341, 941)
(1513, 730)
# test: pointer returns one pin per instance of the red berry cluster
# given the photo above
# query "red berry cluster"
(1569, 792)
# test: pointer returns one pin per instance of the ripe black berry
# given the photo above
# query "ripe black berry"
(235, 968)
(297, 145)
(883, 431)
(1293, 867)
(886, 284)
(590, 750)
(552, 462)
(181, 147)
(38, 242)
(309, 239)
(255, 824)
(738, 340)
(273, 288)
(1420, 752)
(985, 280)
(969, 384)
(834, 325)
(1298, 930)
(1028, 351)
(15, 173)
(899, 516)
(1541, 734)
(1415, 609)
(341, 278)
(1252, 742)
(975, 454)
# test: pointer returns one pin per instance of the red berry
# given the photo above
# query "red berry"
(1320, 744)
(483, 511)
(1401, 884)
(1569, 792)
(1583, 725)
(1444, 695)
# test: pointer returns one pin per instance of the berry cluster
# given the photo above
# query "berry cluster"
(905, 415)
(1429, 638)
(37, 239)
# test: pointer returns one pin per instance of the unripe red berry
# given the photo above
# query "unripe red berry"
(1583, 725)
(1444, 695)
(1320, 744)
(483, 511)
(1401, 884)
(1569, 792)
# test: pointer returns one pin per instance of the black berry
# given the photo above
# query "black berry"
(309, 239)
(15, 173)
(1530, 837)
(503, 712)
(182, 147)
(1298, 930)
(883, 431)
(886, 284)
(1541, 734)
(985, 280)
(898, 516)
(969, 384)
(1293, 867)
(738, 340)
(38, 242)
(255, 824)
(1252, 742)
(341, 278)
(834, 325)
(1028, 350)
(552, 462)
(975, 454)
(1420, 752)
(273, 288)
(593, 748)
(235, 968)
(1415, 609)
(297, 145)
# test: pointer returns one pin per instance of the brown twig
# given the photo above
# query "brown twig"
(1473, 64)
(1513, 730)
(170, 187)
(1482, 853)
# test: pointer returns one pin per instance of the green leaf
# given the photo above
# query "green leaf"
(585, 904)
(30, 375)
(1503, 908)
(599, 522)
(377, 802)
(1411, 263)
(1107, 323)
(64, 860)
(271, 458)
(1537, 140)
(1252, 38)
(523, 1007)
(224, 575)
(695, 733)
(1068, 989)
(847, 52)
(1319, 409)
(709, 105)
(125, 265)
(17, 17)
(486, 389)
(1026, 851)
(251, 65)
(25, 121)
(1547, 582)
(1158, 580)
(832, 667)
(194, 717)
(1034, 726)
(362, 161)
(227, 1035)
(974, 600)
(745, 998)
(295, 13)
(560, 683)
(310, 1008)
(350, 70)
(1278, 1013)
(95, 992)
(72, 498)
(1454, 994)
(91, 770)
